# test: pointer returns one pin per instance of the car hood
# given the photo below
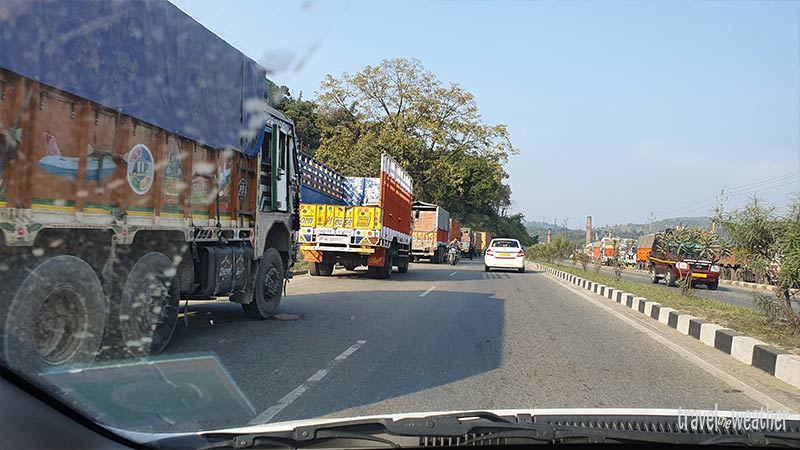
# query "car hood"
(620, 416)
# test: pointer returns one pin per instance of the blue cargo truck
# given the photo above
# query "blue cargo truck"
(139, 165)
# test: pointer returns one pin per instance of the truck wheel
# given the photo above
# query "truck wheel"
(653, 276)
(143, 320)
(713, 286)
(350, 268)
(402, 266)
(384, 272)
(268, 287)
(669, 277)
(326, 268)
(56, 315)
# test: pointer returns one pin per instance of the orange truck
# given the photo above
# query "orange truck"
(121, 193)
(371, 227)
(644, 248)
(431, 232)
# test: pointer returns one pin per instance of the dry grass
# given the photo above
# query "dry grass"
(746, 321)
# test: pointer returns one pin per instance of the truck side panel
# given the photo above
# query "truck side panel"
(79, 157)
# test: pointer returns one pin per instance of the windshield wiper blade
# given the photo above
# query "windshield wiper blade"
(476, 428)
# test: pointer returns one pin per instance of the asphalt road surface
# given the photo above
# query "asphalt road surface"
(443, 338)
(731, 295)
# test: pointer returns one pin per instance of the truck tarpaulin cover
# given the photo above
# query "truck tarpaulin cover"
(143, 57)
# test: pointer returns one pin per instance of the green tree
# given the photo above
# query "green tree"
(769, 245)
(306, 121)
(434, 130)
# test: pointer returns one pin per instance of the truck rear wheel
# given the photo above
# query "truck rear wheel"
(144, 318)
(326, 268)
(669, 277)
(383, 272)
(56, 315)
(268, 287)
(402, 265)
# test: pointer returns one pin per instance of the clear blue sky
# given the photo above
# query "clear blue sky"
(618, 109)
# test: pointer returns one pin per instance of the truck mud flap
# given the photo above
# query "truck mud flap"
(377, 259)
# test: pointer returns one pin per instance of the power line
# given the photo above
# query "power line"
(737, 189)
(749, 188)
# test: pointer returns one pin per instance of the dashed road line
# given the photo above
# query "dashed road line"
(428, 291)
(452, 274)
(292, 396)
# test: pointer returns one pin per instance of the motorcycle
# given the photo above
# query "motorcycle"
(453, 255)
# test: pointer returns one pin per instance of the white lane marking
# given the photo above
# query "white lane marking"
(723, 375)
(452, 274)
(427, 292)
(290, 398)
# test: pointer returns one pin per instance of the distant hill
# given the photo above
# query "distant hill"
(628, 230)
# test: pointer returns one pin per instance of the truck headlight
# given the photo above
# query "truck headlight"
(682, 266)
(715, 268)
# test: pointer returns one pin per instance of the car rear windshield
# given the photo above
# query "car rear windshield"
(505, 244)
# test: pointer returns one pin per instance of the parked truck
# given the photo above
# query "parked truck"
(121, 193)
(431, 225)
(370, 225)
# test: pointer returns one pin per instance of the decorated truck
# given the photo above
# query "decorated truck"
(124, 187)
(431, 225)
(369, 224)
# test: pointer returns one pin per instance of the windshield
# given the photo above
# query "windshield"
(228, 214)
(505, 244)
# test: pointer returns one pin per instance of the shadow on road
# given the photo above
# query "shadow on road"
(412, 344)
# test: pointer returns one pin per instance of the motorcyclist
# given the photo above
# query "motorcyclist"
(454, 244)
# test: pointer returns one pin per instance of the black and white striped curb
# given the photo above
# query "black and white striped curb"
(782, 365)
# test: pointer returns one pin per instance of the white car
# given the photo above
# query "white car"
(504, 254)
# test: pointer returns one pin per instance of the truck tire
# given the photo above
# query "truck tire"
(669, 277)
(713, 286)
(653, 276)
(326, 268)
(143, 319)
(402, 265)
(56, 315)
(267, 288)
(313, 269)
(384, 272)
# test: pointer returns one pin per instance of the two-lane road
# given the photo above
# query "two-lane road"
(443, 337)
(731, 295)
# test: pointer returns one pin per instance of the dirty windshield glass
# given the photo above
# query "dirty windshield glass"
(243, 213)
